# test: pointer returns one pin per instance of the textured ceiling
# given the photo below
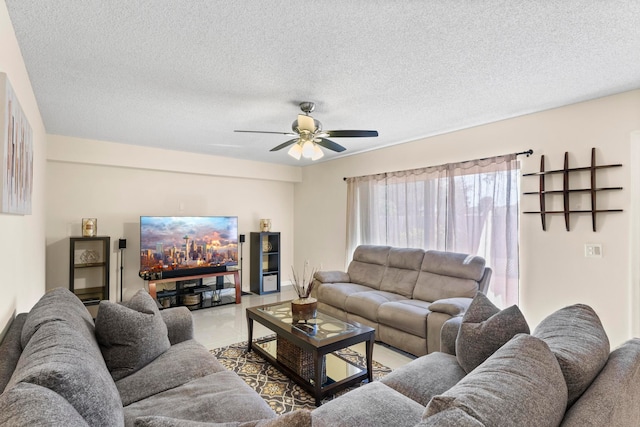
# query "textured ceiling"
(183, 75)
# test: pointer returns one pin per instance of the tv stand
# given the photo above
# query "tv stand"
(195, 291)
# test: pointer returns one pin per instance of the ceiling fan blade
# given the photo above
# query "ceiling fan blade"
(265, 131)
(329, 144)
(285, 144)
(351, 133)
(306, 123)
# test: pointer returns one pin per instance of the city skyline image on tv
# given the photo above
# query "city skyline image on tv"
(184, 243)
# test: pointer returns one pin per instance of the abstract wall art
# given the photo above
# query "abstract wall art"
(16, 179)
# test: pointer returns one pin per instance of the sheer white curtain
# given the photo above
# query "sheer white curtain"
(469, 207)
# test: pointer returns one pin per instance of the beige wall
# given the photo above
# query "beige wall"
(118, 183)
(22, 252)
(553, 269)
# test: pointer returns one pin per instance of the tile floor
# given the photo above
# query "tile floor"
(221, 326)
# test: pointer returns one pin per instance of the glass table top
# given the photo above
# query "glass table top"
(321, 327)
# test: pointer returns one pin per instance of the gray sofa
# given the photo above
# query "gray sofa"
(406, 295)
(58, 367)
(561, 374)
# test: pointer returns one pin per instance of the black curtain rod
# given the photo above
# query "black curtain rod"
(527, 153)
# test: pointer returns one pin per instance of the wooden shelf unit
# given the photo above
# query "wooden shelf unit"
(265, 262)
(566, 191)
(89, 280)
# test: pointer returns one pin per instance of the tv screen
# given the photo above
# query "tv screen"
(175, 246)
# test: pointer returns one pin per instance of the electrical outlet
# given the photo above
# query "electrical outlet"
(593, 250)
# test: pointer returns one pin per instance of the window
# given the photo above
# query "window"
(469, 207)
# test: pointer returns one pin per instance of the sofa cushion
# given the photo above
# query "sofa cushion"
(366, 304)
(32, 405)
(402, 271)
(336, 294)
(59, 358)
(425, 377)
(576, 336)
(433, 287)
(10, 349)
(612, 398)
(180, 364)
(479, 339)
(406, 315)
(454, 264)
(219, 397)
(521, 384)
(448, 275)
(59, 304)
(374, 404)
(368, 265)
(131, 335)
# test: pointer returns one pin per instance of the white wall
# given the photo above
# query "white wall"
(554, 272)
(22, 256)
(117, 183)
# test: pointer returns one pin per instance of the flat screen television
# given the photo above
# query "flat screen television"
(177, 246)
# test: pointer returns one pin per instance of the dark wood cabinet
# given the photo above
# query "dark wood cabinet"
(265, 262)
(89, 268)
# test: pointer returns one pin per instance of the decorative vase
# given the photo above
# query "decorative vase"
(89, 227)
(265, 225)
(304, 309)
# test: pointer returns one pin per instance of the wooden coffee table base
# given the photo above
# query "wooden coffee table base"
(320, 351)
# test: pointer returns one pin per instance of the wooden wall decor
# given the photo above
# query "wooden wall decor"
(566, 191)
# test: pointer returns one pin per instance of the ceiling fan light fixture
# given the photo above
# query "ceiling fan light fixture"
(306, 123)
(317, 153)
(308, 149)
(295, 151)
(310, 139)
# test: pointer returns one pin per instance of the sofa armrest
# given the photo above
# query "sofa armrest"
(448, 335)
(332, 277)
(451, 306)
(11, 349)
(179, 324)
(454, 307)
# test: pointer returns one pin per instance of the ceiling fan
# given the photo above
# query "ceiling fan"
(309, 136)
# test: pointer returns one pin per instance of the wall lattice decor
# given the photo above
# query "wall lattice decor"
(567, 191)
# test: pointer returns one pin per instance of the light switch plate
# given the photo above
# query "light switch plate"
(593, 250)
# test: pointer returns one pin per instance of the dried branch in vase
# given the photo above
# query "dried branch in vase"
(303, 285)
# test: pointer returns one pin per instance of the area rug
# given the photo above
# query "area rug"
(281, 393)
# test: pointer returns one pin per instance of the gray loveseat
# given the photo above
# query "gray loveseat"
(562, 374)
(59, 368)
(406, 295)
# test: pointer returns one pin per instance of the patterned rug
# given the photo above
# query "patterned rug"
(281, 393)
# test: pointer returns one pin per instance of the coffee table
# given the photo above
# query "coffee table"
(303, 351)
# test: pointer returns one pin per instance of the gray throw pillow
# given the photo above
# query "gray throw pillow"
(32, 405)
(521, 385)
(297, 418)
(130, 335)
(576, 336)
(484, 329)
(452, 417)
